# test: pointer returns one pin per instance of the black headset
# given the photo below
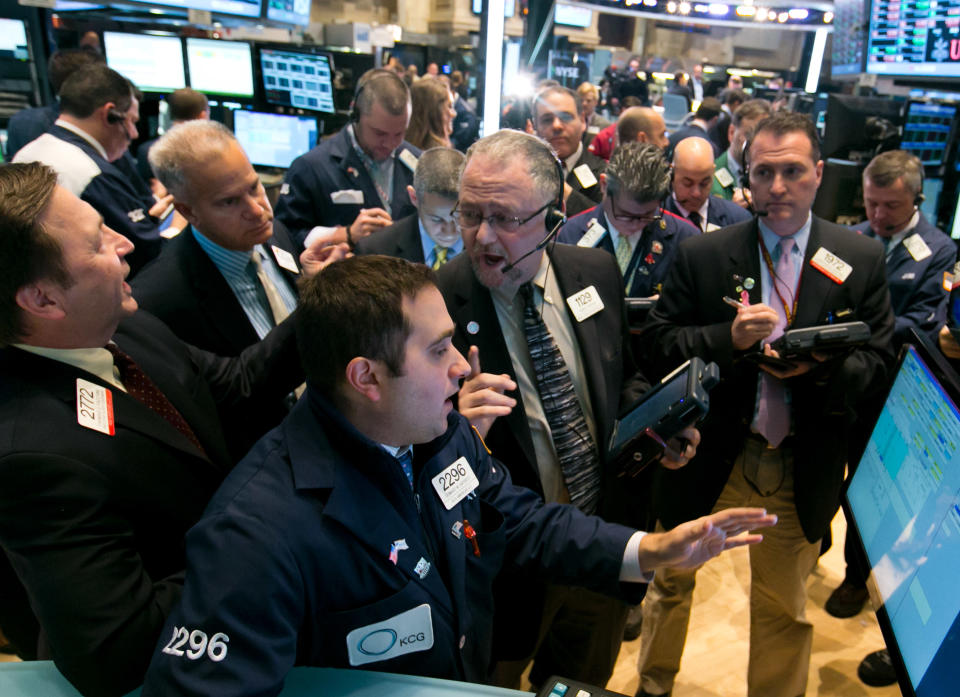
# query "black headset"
(554, 216)
(366, 79)
(115, 117)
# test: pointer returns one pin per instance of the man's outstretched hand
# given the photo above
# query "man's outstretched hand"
(692, 543)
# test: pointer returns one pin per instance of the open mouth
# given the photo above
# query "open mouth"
(493, 260)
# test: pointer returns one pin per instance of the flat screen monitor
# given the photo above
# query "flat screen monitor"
(13, 39)
(152, 63)
(904, 504)
(274, 140)
(290, 11)
(914, 38)
(573, 16)
(298, 79)
(846, 129)
(955, 224)
(926, 131)
(930, 206)
(243, 8)
(849, 37)
(220, 67)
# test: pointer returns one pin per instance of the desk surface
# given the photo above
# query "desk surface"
(42, 679)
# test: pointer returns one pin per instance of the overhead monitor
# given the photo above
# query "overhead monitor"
(915, 38)
(849, 37)
(274, 140)
(244, 8)
(220, 67)
(926, 131)
(904, 504)
(298, 78)
(508, 6)
(290, 11)
(572, 16)
(13, 39)
(152, 63)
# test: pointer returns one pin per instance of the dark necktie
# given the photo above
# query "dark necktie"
(406, 463)
(575, 448)
(143, 389)
(696, 219)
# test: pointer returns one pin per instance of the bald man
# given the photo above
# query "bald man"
(693, 168)
(638, 123)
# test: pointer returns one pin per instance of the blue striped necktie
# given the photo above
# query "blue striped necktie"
(406, 463)
(575, 448)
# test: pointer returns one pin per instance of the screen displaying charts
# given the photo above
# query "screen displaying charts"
(926, 131)
(298, 79)
(914, 37)
(220, 67)
(291, 11)
(274, 140)
(848, 36)
(905, 502)
(152, 63)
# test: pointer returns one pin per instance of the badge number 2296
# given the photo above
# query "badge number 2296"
(455, 482)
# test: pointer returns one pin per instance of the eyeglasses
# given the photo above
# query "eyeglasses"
(640, 219)
(470, 219)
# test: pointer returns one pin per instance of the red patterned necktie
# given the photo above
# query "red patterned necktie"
(143, 389)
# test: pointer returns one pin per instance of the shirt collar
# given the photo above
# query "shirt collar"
(428, 244)
(83, 134)
(572, 160)
(397, 451)
(894, 239)
(231, 263)
(801, 236)
(686, 214)
(96, 361)
(733, 166)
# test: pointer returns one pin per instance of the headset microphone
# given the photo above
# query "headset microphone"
(888, 228)
(540, 245)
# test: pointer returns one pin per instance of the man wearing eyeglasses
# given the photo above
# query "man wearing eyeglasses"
(558, 119)
(629, 222)
(513, 304)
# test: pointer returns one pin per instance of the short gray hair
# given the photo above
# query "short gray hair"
(887, 167)
(640, 171)
(183, 146)
(438, 172)
(506, 145)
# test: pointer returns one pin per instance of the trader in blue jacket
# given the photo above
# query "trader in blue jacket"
(366, 530)
(355, 182)
(920, 257)
(630, 222)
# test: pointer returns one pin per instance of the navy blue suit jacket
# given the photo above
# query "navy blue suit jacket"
(402, 240)
(720, 212)
(917, 290)
(654, 252)
(306, 195)
(29, 124)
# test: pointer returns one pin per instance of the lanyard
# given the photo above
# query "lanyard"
(789, 312)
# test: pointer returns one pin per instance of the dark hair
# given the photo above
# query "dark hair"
(709, 108)
(731, 97)
(780, 123)
(92, 86)
(27, 252)
(355, 308)
(750, 110)
(639, 171)
(557, 89)
(384, 87)
(186, 104)
(64, 63)
(429, 116)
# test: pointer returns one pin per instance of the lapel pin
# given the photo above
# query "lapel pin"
(657, 247)
(352, 172)
(472, 327)
(457, 529)
(395, 548)
(422, 568)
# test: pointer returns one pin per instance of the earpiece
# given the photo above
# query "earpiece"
(375, 74)
(554, 216)
(114, 117)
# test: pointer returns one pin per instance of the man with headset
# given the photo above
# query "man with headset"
(776, 436)
(366, 531)
(630, 222)
(99, 113)
(546, 383)
(356, 181)
(693, 170)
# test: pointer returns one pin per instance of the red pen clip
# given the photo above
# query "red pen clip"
(471, 535)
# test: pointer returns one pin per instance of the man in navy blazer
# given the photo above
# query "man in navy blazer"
(629, 222)
(107, 460)
(693, 168)
(356, 181)
(432, 236)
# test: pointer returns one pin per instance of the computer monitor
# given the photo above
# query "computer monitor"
(903, 502)
(847, 132)
(849, 37)
(913, 38)
(220, 67)
(290, 11)
(244, 8)
(930, 206)
(152, 63)
(926, 131)
(955, 224)
(298, 78)
(840, 194)
(274, 140)
(13, 39)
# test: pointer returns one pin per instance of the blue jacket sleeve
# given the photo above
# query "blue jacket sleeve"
(125, 212)
(927, 309)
